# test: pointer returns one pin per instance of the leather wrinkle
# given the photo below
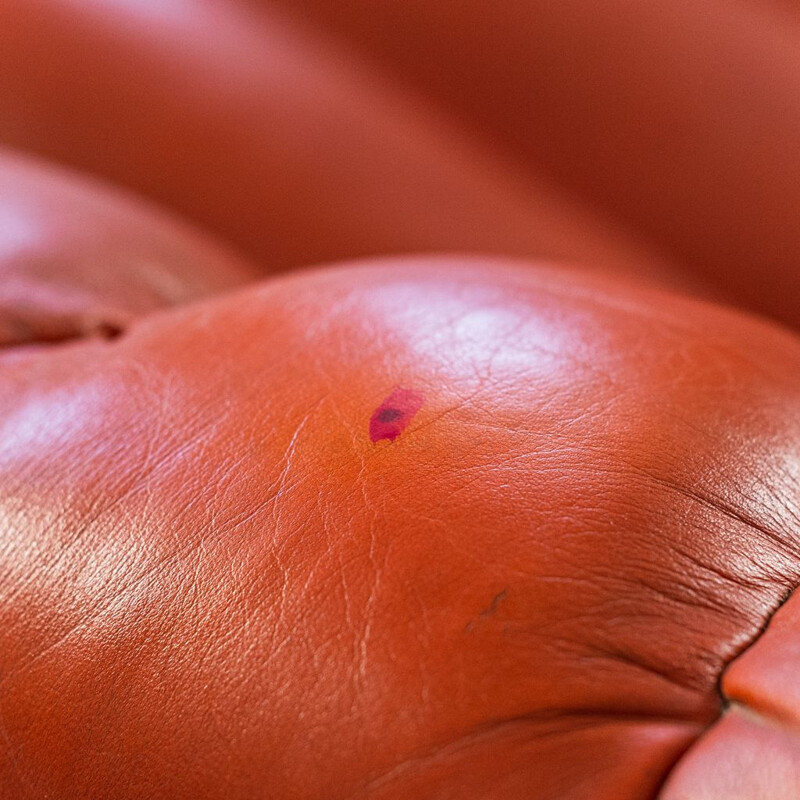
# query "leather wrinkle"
(724, 702)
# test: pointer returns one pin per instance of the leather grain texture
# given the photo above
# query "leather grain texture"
(493, 493)
(218, 585)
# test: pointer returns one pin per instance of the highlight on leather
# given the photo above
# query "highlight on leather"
(384, 406)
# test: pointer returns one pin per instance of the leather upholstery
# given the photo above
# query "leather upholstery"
(520, 521)
(280, 142)
(677, 119)
(78, 258)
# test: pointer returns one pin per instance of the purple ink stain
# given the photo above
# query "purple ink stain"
(394, 414)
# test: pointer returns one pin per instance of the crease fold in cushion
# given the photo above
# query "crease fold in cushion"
(80, 258)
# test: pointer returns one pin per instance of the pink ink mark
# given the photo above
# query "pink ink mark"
(394, 414)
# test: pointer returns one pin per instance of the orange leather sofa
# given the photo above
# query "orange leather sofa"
(399, 400)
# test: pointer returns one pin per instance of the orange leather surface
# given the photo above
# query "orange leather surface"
(278, 141)
(220, 586)
(743, 757)
(515, 521)
(77, 257)
(678, 119)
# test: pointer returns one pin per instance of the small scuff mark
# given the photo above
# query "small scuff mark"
(487, 612)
